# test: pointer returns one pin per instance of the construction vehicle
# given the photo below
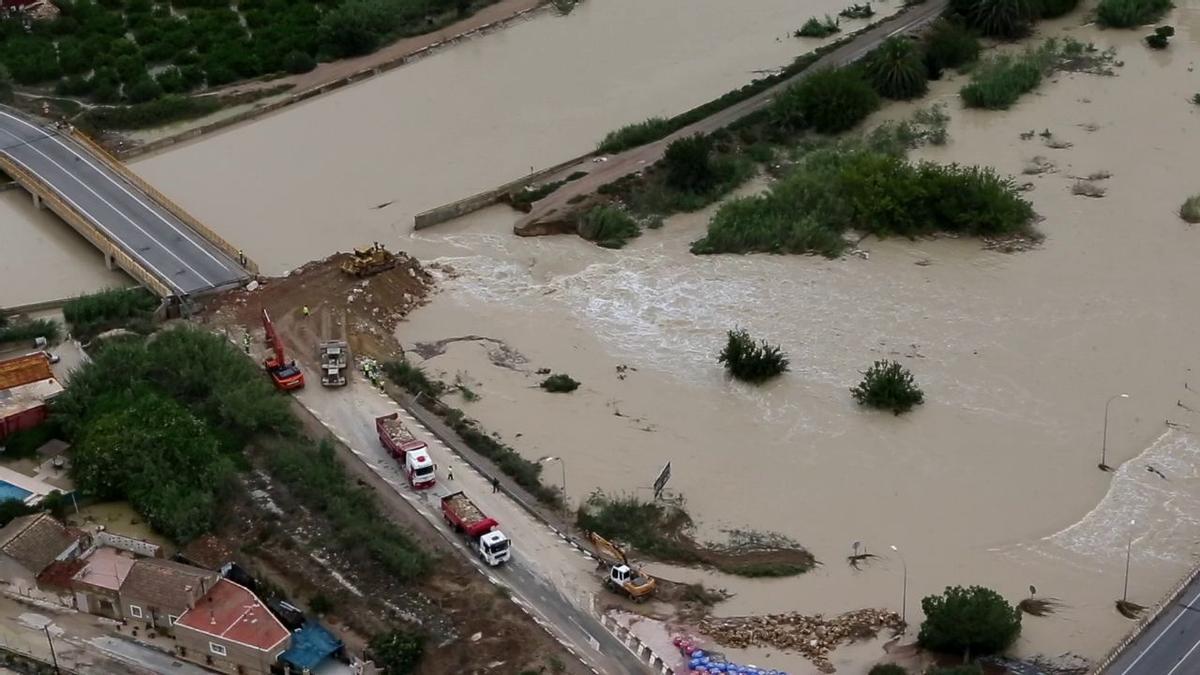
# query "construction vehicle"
(334, 356)
(483, 533)
(618, 574)
(412, 453)
(284, 373)
(364, 262)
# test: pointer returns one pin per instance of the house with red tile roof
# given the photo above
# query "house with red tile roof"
(232, 631)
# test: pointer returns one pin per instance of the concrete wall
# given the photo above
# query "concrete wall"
(192, 645)
(482, 200)
(123, 543)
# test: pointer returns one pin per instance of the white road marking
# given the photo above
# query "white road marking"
(1160, 634)
(110, 205)
(121, 187)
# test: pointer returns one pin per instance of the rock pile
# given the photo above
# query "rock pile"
(813, 636)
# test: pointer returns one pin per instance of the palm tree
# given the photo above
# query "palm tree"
(999, 18)
(896, 69)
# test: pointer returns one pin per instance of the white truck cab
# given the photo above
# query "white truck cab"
(418, 465)
(620, 574)
(494, 548)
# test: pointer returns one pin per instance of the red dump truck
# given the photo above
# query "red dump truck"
(411, 452)
(482, 532)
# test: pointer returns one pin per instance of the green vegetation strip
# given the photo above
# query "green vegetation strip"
(525, 473)
(90, 315)
(27, 331)
(1130, 13)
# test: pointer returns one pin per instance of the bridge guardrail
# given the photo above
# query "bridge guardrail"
(176, 210)
(77, 220)
(1145, 622)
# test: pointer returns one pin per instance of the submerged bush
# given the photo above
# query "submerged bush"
(689, 165)
(863, 11)
(818, 28)
(973, 621)
(889, 386)
(1160, 38)
(999, 81)
(999, 18)
(560, 383)
(896, 69)
(608, 226)
(1130, 13)
(750, 361)
(413, 379)
(949, 44)
(830, 101)
(1190, 210)
(1051, 9)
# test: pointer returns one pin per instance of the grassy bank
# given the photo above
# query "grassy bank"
(662, 530)
(525, 473)
(92, 314)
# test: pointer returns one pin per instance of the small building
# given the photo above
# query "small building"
(29, 544)
(231, 631)
(208, 552)
(97, 585)
(158, 592)
(26, 384)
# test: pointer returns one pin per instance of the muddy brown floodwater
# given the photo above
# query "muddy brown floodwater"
(992, 481)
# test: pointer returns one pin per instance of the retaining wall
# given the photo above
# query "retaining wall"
(475, 202)
(635, 644)
(1144, 622)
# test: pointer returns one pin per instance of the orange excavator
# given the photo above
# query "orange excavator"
(284, 373)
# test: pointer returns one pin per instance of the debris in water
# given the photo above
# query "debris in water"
(813, 636)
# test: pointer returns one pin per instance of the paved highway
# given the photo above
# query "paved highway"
(150, 234)
(1170, 645)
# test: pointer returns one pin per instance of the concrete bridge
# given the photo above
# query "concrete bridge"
(135, 226)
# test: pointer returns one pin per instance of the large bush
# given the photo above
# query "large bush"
(1051, 9)
(973, 621)
(896, 69)
(887, 669)
(89, 315)
(1130, 13)
(831, 100)
(398, 652)
(633, 135)
(750, 361)
(689, 164)
(29, 330)
(6, 85)
(357, 26)
(889, 386)
(999, 81)
(999, 18)
(608, 226)
(949, 44)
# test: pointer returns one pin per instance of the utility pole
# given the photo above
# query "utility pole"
(53, 656)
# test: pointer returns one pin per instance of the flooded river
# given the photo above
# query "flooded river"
(992, 481)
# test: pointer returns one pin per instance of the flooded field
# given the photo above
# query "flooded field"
(992, 481)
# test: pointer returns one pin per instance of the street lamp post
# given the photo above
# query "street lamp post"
(1104, 442)
(563, 465)
(904, 591)
(53, 656)
(1128, 555)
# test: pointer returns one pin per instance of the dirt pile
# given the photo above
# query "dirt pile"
(364, 311)
(813, 636)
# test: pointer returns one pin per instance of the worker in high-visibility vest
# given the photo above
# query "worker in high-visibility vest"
(304, 311)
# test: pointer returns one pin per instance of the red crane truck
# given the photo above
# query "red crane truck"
(284, 373)
(412, 453)
(483, 533)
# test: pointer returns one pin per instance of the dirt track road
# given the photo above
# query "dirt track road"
(630, 161)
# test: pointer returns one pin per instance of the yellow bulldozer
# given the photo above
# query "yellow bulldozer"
(364, 262)
(618, 574)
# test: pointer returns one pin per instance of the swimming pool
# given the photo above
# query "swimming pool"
(10, 491)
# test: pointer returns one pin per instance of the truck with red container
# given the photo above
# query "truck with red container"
(408, 450)
(483, 533)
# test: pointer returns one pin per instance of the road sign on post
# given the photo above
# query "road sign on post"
(661, 481)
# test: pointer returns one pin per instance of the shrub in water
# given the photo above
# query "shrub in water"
(1160, 37)
(999, 18)
(834, 100)
(1190, 211)
(1055, 8)
(896, 69)
(857, 12)
(949, 44)
(608, 226)
(560, 383)
(750, 361)
(818, 28)
(998, 82)
(1130, 13)
(888, 385)
(974, 621)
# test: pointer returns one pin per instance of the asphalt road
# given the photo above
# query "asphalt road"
(1170, 645)
(146, 231)
(556, 204)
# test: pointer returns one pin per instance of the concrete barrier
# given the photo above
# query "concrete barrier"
(482, 200)
(1144, 622)
(643, 651)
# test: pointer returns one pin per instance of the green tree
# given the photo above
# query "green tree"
(835, 99)
(890, 386)
(357, 26)
(297, 61)
(398, 652)
(689, 164)
(897, 69)
(6, 85)
(143, 90)
(973, 621)
(999, 18)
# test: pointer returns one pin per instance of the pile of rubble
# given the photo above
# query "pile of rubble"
(813, 636)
